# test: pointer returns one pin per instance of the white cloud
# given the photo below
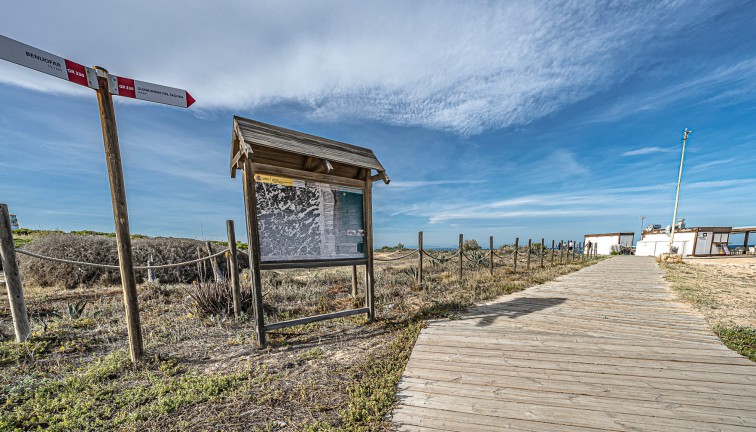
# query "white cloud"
(425, 183)
(461, 66)
(644, 151)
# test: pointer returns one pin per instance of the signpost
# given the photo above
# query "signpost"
(106, 85)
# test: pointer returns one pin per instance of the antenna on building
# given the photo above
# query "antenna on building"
(686, 132)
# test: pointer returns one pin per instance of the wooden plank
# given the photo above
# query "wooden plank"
(341, 262)
(306, 175)
(315, 318)
(504, 393)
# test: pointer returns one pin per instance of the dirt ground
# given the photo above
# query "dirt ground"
(723, 289)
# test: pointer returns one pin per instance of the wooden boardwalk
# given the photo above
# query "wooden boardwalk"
(607, 348)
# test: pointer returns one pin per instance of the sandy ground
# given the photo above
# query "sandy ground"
(740, 261)
(723, 289)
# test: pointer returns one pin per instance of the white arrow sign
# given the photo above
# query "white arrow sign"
(42, 61)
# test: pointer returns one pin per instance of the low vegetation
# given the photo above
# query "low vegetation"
(725, 294)
(202, 370)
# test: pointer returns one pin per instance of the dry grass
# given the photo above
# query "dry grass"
(204, 373)
(724, 291)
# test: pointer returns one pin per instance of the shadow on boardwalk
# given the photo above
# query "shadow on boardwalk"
(512, 309)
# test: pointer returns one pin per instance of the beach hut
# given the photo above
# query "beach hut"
(606, 243)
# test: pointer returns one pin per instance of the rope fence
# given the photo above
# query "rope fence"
(115, 267)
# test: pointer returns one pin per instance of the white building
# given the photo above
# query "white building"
(701, 241)
(604, 242)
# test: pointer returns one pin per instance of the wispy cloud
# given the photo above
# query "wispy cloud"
(644, 151)
(460, 66)
(425, 183)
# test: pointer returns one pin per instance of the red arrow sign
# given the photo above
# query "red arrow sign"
(141, 90)
(42, 61)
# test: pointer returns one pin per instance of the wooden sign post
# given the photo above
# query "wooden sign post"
(120, 215)
(105, 85)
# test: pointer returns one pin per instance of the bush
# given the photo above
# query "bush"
(215, 298)
(102, 250)
(471, 244)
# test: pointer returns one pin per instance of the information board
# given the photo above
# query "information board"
(301, 220)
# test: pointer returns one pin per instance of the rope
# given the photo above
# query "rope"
(115, 267)
(397, 258)
(504, 256)
(441, 259)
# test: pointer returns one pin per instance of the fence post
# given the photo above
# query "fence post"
(217, 275)
(517, 247)
(150, 271)
(13, 277)
(530, 250)
(561, 250)
(574, 249)
(233, 268)
(543, 250)
(200, 266)
(419, 258)
(490, 255)
(461, 255)
(552, 252)
(354, 281)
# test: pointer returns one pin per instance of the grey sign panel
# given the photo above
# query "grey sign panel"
(301, 220)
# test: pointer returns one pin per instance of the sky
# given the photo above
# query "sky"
(521, 119)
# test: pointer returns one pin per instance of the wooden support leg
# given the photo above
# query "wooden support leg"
(233, 268)
(253, 237)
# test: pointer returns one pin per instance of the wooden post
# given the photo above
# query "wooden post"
(217, 273)
(543, 250)
(120, 215)
(490, 255)
(745, 241)
(367, 207)
(575, 246)
(151, 273)
(530, 249)
(253, 239)
(354, 281)
(13, 277)
(561, 250)
(517, 246)
(200, 266)
(461, 253)
(420, 258)
(233, 268)
(552, 252)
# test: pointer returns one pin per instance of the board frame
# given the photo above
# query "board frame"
(249, 171)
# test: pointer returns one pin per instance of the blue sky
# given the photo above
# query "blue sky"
(530, 119)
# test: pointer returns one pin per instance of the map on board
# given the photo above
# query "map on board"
(301, 220)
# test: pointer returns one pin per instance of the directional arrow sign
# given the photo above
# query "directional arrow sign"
(42, 61)
(141, 90)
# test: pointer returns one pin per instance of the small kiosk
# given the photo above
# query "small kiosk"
(308, 203)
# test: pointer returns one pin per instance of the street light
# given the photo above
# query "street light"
(686, 132)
